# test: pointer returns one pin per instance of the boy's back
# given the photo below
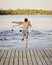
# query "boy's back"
(25, 25)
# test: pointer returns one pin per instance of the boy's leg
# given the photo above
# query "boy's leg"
(23, 35)
(27, 39)
(26, 43)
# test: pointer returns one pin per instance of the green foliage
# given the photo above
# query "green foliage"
(25, 12)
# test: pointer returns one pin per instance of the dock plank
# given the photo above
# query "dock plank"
(16, 61)
(33, 58)
(11, 61)
(47, 58)
(0, 50)
(50, 54)
(28, 54)
(1, 54)
(20, 53)
(29, 61)
(2, 61)
(41, 58)
(5, 53)
(20, 61)
(12, 53)
(6, 61)
(29, 58)
(25, 61)
(9, 53)
(26, 57)
(16, 54)
(24, 54)
(37, 58)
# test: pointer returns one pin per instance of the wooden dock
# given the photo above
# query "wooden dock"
(25, 57)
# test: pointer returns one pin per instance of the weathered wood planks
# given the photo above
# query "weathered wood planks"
(26, 57)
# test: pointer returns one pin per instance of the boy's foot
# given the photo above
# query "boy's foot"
(22, 39)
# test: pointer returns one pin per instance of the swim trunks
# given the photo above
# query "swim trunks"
(25, 34)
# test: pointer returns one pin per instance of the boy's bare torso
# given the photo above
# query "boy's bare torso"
(25, 24)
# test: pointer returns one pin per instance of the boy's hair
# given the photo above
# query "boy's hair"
(26, 19)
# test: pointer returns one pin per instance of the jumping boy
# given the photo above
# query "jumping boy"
(26, 25)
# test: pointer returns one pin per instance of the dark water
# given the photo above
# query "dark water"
(36, 40)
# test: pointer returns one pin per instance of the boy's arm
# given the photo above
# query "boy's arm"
(19, 23)
(29, 23)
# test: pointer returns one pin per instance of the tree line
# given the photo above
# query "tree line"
(25, 12)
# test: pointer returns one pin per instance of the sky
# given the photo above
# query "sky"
(26, 4)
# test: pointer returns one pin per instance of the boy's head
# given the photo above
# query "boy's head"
(26, 19)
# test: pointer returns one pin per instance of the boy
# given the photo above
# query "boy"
(26, 25)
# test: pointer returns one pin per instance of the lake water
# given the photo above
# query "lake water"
(37, 21)
(40, 34)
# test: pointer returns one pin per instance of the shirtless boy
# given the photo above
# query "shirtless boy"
(26, 25)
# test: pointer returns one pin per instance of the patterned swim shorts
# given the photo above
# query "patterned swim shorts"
(25, 34)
